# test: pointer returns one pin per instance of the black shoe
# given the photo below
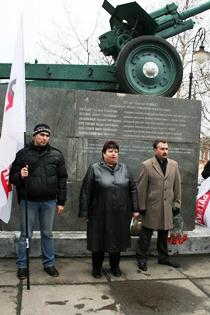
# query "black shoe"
(142, 265)
(51, 271)
(96, 273)
(116, 272)
(168, 263)
(22, 273)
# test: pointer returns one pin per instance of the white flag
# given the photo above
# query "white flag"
(13, 125)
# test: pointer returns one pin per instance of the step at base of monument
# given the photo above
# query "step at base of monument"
(72, 244)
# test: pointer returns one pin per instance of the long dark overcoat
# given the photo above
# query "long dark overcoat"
(107, 198)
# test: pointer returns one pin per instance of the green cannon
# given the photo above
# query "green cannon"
(144, 61)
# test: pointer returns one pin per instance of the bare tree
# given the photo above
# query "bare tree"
(201, 75)
(70, 46)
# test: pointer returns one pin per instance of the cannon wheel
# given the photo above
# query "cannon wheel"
(149, 65)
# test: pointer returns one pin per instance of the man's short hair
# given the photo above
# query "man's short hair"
(110, 144)
(157, 141)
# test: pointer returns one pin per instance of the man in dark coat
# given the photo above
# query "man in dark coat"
(107, 198)
(206, 171)
(159, 188)
(42, 168)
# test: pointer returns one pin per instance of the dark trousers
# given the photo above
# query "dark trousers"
(144, 240)
(98, 258)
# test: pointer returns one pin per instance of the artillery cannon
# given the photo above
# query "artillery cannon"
(144, 62)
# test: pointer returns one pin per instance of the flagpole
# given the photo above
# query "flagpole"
(26, 224)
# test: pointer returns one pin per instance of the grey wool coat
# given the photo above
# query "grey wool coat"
(107, 198)
(158, 193)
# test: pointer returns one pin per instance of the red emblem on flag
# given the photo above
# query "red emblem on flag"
(5, 181)
(10, 94)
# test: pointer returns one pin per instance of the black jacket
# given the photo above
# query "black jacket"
(108, 197)
(47, 174)
(206, 170)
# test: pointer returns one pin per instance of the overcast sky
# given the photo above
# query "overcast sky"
(45, 17)
(40, 18)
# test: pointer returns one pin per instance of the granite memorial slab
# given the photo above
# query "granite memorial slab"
(82, 121)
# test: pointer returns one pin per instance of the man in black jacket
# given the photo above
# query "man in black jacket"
(42, 168)
(206, 171)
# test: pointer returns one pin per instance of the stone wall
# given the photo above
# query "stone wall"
(82, 120)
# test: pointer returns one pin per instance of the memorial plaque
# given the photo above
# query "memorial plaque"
(82, 121)
(135, 117)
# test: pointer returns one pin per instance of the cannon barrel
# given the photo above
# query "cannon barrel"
(171, 22)
(130, 20)
(195, 10)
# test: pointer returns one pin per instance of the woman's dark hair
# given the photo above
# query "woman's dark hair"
(157, 141)
(110, 144)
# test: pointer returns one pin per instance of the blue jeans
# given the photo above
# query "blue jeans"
(45, 211)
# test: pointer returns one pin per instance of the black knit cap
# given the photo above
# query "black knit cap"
(41, 128)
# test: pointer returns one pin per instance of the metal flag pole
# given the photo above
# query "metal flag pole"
(26, 225)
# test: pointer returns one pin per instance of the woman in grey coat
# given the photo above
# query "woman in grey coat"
(108, 197)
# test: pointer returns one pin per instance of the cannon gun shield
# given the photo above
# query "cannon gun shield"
(149, 65)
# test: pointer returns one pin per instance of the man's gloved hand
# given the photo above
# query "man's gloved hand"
(175, 211)
(142, 211)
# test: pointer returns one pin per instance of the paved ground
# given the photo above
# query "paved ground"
(161, 290)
